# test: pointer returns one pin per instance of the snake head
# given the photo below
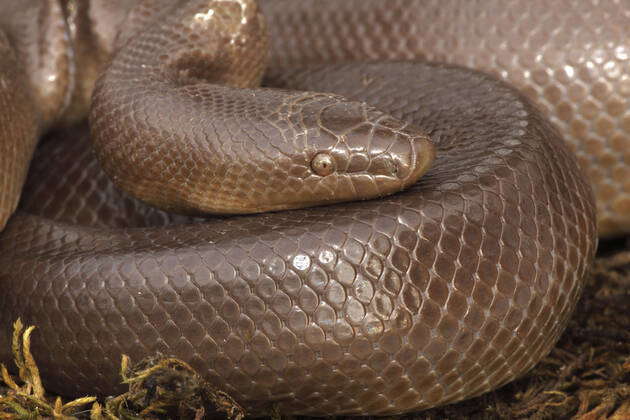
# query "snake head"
(351, 152)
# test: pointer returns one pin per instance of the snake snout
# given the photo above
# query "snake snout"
(399, 157)
(413, 155)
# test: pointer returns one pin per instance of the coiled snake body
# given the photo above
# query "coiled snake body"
(448, 289)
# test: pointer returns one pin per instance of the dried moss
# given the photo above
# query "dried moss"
(26, 397)
(162, 387)
(159, 388)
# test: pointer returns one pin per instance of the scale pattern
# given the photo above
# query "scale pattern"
(18, 133)
(571, 58)
(429, 296)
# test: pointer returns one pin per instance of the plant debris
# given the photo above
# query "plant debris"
(164, 387)
(29, 400)
(585, 377)
(159, 388)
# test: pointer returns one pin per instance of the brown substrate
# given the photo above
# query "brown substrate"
(586, 376)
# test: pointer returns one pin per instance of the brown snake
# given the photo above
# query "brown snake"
(446, 290)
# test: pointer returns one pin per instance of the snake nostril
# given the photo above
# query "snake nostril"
(391, 167)
(395, 168)
(323, 164)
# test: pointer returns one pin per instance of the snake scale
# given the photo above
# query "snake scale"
(450, 288)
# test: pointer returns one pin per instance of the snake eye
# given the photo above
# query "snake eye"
(323, 164)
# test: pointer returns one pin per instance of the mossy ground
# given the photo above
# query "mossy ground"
(586, 376)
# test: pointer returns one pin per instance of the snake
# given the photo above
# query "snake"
(391, 229)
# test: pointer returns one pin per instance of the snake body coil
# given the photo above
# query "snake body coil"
(443, 291)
